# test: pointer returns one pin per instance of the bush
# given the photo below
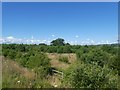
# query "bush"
(40, 63)
(63, 59)
(67, 49)
(114, 63)
(89, 76)
(41, 84)
(94, 56)
(60, 49)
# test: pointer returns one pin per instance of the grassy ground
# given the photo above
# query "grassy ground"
(12, 66)
(14, 75)
(0, 72)
(55, 80)
(61, 65)
(17, 76)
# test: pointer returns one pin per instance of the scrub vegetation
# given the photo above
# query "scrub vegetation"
(60, 65)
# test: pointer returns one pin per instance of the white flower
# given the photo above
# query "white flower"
(55, 85)
(18, 81)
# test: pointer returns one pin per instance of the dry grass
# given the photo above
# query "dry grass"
(0, 72)
(12, 66)
(55, 59)
(55, 80)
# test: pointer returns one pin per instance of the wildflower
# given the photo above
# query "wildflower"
(55, 85)
(18, 81)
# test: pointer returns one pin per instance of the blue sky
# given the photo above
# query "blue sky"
(77, 23)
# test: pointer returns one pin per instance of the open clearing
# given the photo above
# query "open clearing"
(61, 65)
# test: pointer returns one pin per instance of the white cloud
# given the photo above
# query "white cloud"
(32, 41)
(88, 39)
(71, 42)
(27, 41)
(82, 42)
(76, 36)
(38, 40)
(10, 37)
(107, 42)
(44, 40)
(53, 35)
(48, 41)
(2, 40)
(102, 41)
(92, 41)
(115, 42)
(76, 41)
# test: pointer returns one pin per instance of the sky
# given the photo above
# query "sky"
(77, 23)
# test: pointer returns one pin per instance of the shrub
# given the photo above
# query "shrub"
(89, 76)
(63, 59)
(94, 56)
(60, 49)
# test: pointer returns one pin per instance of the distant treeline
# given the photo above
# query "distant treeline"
(58, 49)
(56, 46)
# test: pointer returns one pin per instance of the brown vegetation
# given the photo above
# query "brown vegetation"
(12, 66)
(61, 65)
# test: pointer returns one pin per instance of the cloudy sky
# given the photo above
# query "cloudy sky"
(77, 23)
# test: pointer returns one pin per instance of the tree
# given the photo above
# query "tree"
(67, 44)
(58, 42)
(43, 44)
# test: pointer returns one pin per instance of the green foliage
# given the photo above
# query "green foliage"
(41, 84)
(94, 56)
(5, 52)
(42, 48)
(110, 49)
(81, 51)
(60, 49)
(114, 63)
(16, 80)
(23, 61)
(58, 42)
(52, 49)
(63, 59)
(18, 55)
(67, 49)
(37, 61)
(11, 81)
(96, 66)
(12, 54)
(82, 75)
